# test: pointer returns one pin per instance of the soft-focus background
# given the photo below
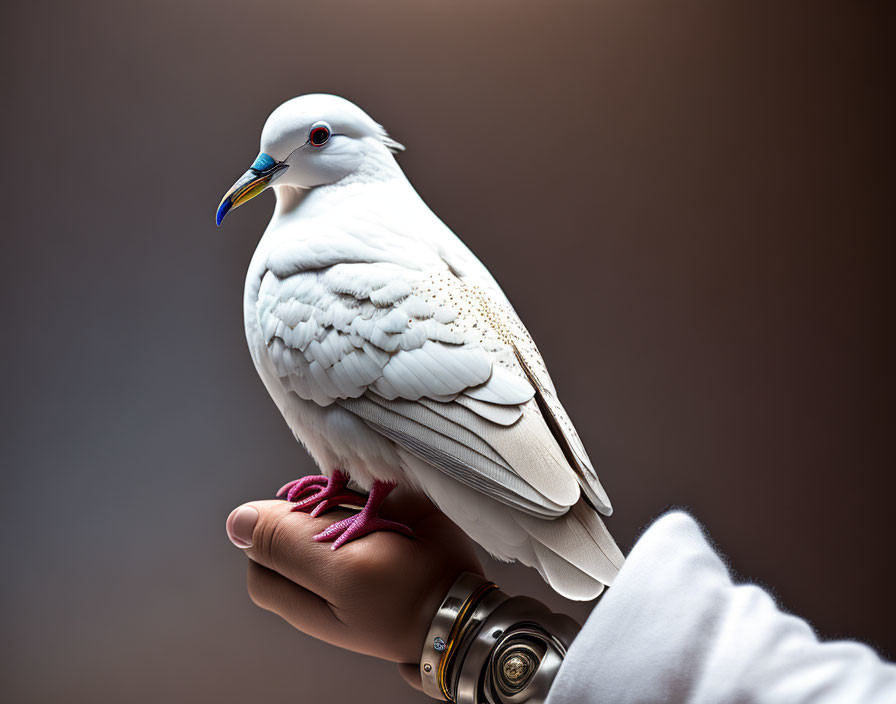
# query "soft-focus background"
(690, 204)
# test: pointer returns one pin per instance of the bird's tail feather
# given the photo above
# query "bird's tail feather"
(575, 553)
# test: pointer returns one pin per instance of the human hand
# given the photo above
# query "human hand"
(376, 595)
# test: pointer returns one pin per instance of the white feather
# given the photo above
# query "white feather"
(496, 413)
(395, 356)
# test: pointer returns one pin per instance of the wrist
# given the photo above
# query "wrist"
(485, 646)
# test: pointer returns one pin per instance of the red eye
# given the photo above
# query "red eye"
(320, 134)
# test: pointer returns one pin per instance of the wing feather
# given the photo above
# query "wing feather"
(526, 446)
(452, 449)
(496, 413)
(422, 359)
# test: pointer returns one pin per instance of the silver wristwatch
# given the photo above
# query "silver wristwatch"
(486, 647)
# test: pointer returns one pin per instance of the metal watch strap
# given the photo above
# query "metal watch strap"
(516, 654)
(486, 647)
(439, 645)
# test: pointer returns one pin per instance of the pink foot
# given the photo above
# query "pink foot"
(365, 522)
(296, 488)
(317, 494)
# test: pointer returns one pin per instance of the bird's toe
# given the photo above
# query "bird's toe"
(358, 526)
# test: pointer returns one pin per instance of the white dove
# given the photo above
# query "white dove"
(395, 357)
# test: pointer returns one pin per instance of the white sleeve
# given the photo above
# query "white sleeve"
(674, 628)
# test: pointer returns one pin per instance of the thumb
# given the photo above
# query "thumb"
(276, 537)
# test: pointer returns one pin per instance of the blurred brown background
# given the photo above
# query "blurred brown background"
(690, 204)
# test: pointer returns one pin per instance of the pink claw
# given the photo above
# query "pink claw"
(349, 497)
(358, 526)
(365, 522)
(317, 494)
(296, 487)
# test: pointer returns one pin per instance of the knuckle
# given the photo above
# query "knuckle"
(280, 541)
(366, 563)
(364, 570)
(269, 536)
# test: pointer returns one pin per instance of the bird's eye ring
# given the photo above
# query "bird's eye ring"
(320, 134)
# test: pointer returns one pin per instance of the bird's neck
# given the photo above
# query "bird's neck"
(288, 199)
(377, 169)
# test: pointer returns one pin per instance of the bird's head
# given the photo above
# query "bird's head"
(309, 141)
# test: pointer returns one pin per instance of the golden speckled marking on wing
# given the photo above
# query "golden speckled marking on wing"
(496, 326)
(478, 318)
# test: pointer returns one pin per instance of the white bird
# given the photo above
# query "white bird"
(395, 357)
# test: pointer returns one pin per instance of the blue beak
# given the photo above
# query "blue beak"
(250, 184)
